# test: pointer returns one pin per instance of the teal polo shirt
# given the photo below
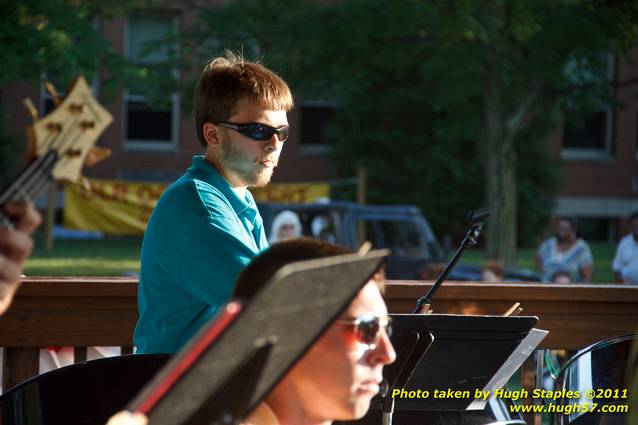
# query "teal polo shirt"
(200, 236)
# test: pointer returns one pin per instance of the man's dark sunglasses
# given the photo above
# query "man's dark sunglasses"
(368, 327)
(256, 131)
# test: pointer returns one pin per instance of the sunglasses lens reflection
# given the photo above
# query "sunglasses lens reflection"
(264, 132)
(261, 132)
(368, 330)
(368, 327)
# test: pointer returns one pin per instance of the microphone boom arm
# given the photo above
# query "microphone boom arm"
(477, 219)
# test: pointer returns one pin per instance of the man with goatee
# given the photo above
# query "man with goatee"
(206, 227)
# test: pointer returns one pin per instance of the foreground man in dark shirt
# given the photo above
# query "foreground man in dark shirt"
(342, 371)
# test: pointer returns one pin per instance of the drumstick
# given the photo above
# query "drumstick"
(513, 310)
(365, 248)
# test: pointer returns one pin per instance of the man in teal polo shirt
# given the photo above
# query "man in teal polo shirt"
(206, 228)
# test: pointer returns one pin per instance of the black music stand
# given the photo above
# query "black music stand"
(234, 362)
(461, 353)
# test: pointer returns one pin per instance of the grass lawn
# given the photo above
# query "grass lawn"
(120, 256)
(106, 257)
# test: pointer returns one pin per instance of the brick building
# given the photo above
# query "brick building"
(157, 145)
(600, 162)
(600, 173)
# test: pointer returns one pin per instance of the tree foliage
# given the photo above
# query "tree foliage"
(439, 99)
(449, 104)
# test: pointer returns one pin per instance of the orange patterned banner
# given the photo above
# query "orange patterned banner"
(118, 207)
(298, 193)
(112, 206)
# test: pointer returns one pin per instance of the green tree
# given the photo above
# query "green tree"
(447, 103)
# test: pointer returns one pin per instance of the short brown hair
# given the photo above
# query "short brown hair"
(257, 273)
(226, 80)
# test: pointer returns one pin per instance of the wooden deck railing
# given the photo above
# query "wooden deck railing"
(575, 315)
(65, 311)
(81, 312)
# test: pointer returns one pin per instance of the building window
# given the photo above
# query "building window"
(590, 137)
(315, 117)
(149, 126)
(593, 133)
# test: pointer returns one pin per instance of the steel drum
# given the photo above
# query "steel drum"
(600, 367)
(87, 393)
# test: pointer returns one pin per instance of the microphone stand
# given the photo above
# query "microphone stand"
(477, 219)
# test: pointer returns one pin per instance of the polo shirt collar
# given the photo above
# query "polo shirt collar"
(204, 170)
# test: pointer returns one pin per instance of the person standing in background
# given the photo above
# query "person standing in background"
(286, 225)
(565, 252)
(625, 264)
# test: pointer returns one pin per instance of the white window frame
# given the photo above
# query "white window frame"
(603, 154)
(146, 144)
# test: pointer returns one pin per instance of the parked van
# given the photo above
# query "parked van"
(400, 228)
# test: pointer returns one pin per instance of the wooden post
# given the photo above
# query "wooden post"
(540, 359)
(20, 364)
(79, 354)
(528, 382)
(361, 200)
(361, 185)
(50, 216)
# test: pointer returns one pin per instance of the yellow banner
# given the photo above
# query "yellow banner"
(111, 206)
(118, 207)
(298, 193)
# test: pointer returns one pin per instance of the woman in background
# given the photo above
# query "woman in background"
(565, 252)
(285, 225)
